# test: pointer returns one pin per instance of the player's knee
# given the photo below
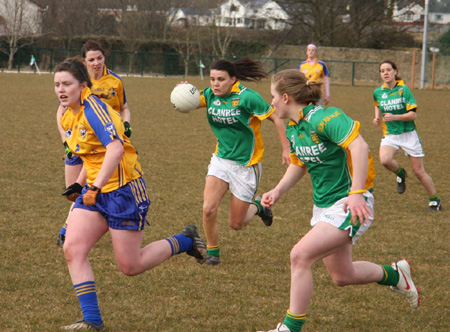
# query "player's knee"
(128, 268)
(209, 211)
(299, 257)
(341, 280)
(236, 224)
(73, 251)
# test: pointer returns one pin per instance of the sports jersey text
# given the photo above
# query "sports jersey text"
(394, 104)
(224, 115)
(310, 153)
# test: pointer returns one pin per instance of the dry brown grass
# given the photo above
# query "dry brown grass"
(250, 289)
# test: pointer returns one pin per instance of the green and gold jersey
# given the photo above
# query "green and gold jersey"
(399, 100)
(320, 142)
(236, 120)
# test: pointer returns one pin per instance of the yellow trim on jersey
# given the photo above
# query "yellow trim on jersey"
(352, 136)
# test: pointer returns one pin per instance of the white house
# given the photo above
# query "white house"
(21, 17)
(192, 16)
(252, 14)
(412, 13)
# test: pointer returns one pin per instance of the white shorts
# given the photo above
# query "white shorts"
(242, 180)
(336, 216)
(408, 142)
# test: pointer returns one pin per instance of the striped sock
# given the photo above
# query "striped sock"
(294, 322)
(63, 229)
(87, 295)
(390, 277)
(257, 202)
(434, 198)
(180, 243)
(213, 251)
(400, 171)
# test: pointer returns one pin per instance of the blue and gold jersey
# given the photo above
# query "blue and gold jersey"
(110, 88)
(315, 72)
(320, 142)
(399, 100)
(89, 131)
(236, 120)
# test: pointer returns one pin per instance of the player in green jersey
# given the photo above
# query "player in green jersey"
(235, 113)
(327, 144)
(395, 109)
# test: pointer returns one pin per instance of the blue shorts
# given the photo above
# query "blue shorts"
(74, 161)
(123, 208)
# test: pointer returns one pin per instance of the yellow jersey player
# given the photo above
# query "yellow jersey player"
(114, 198)
(316, 70)
(107, 86)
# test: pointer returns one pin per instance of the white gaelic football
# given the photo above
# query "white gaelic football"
(185, 98)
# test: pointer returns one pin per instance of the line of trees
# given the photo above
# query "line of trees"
(138, 23)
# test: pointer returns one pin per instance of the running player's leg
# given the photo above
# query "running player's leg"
(321, 241)
(343, 271)
(85, 228)
(241, 213)
(387, 154)
(422, 176)
(214, 191)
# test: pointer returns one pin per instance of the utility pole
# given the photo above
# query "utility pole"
(424, 46)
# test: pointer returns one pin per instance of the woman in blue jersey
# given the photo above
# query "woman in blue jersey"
(395, 109)
(235, 113)
(114, 198)
(107, 86)
(327, 144)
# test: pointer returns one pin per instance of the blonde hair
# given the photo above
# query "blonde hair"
(295, 84)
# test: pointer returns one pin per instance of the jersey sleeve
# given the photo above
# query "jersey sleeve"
(258, 106)
(325, 68)
(122, 95)
(97, 114)
(409, 99)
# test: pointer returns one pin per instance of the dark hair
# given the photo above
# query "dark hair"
(91, 45)
(244, 69)
(76, 67)
(295, 84)
(394, 66)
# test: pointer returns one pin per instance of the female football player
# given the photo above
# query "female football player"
(106, 85)
(327, 144)
(316, 70)
(115, 197)
(235, 113)
(396, 107)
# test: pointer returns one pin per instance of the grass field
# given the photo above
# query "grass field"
(250, 289)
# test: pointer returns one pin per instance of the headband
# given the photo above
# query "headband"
(79, 69)
(312, 46)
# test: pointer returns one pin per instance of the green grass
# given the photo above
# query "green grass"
(250, 289)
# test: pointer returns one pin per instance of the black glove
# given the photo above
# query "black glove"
(67, 151)
(73, 191)
(90, 197)
(128, 129)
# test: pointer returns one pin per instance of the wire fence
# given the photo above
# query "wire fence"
(152, 64)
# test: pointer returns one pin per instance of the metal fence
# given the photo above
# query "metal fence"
(154, 64)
